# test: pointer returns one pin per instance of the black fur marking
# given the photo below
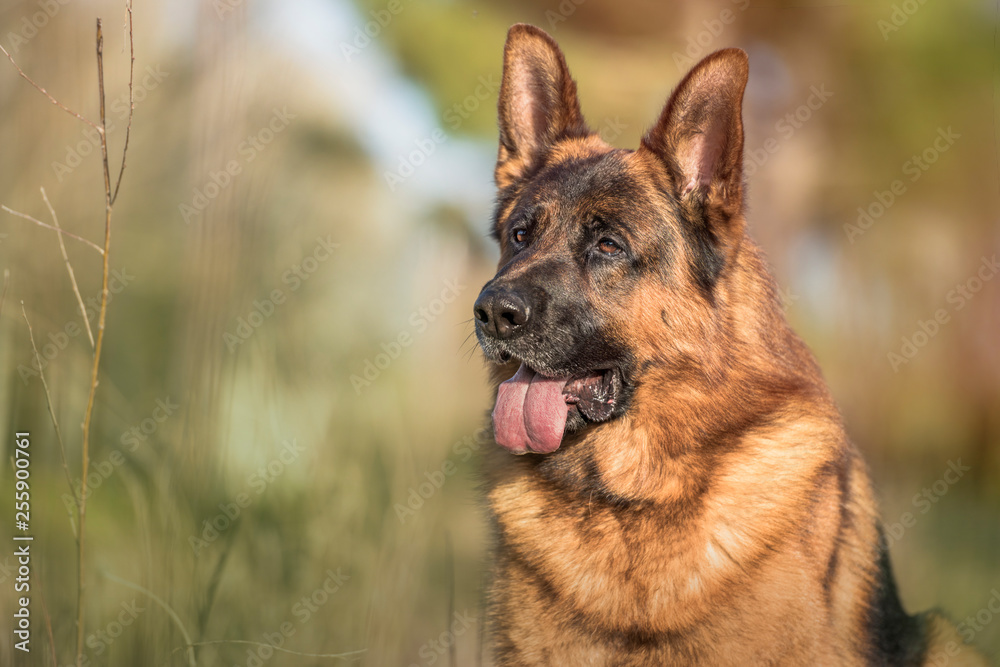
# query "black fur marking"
(509, 194)
(897, 639)
(595, 197)
(628, 639)
(570, 178)
(706, 262)
(843, 472)
(594, 486)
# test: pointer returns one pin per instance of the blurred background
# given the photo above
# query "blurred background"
(286, 430)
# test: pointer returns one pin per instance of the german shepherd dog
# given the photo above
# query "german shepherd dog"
(685, 493)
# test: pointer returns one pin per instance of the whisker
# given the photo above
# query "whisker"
(466, 341)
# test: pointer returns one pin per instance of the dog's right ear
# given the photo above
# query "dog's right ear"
(538, 104)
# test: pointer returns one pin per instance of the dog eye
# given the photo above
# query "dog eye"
(520, 236)
(609, 247)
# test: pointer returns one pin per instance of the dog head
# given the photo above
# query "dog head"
(611, 261)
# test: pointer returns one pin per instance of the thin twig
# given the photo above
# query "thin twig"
(348, 654)
(69, 513)
(69, 268)
(46, 93)
(99, 344)
(48, 402)
(167, 608)
(131, 99)
(58, 230)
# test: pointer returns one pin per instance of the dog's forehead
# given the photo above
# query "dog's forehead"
(610, 183)
(588, 179)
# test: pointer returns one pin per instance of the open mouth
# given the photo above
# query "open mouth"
(532, 410)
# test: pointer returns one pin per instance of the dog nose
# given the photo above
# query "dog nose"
(501, 313)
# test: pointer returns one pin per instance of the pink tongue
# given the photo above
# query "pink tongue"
(530, 413)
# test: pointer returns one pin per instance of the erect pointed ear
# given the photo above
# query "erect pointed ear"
(699, 135)
(538, 104)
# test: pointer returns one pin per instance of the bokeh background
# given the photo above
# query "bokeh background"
(288, 375)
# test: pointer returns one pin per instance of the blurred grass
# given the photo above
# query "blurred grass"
(335, 506)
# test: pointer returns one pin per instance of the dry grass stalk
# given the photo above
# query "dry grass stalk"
(59, 230)
(69, 268)
(109, 198)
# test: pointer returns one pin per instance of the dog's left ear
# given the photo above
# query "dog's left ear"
(699, 137)
(538, 105)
